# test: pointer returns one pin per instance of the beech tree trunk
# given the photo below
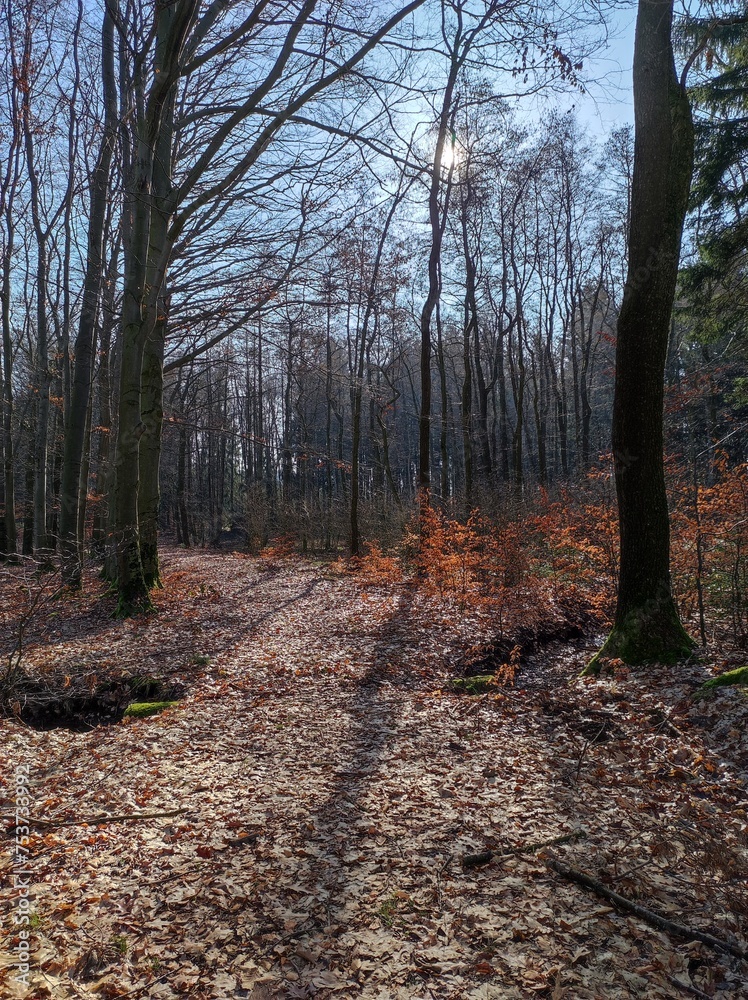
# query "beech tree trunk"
(78, 416)
(139, 303)
(7, 196)
(646, 626)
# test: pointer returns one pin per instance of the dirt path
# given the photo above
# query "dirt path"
(331, 785)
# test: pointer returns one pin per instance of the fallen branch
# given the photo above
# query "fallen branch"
(474, 860)
(693, 990)
(100, 820)
(660, 922)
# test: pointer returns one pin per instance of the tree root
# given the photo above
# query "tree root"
(649, 634)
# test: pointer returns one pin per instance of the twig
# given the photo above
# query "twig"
(100, 820)
(687, 988)
(473, 860)
(655, 919)
(138, 990)
(585, 748)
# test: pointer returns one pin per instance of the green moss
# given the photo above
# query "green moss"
(387, 911)
(737, 677)
(142, 709)
(474, 685)
(131, 608)
(644, 636)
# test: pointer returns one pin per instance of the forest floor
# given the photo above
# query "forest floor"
(325, 785)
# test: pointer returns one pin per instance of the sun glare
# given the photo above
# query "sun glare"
(450, 153)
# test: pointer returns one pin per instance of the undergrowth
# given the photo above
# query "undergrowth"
(563, 553)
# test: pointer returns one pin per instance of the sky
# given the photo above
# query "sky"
(608, 101)
(611, 96)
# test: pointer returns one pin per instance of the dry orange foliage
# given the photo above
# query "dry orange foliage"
(710, 545)
(563, 552)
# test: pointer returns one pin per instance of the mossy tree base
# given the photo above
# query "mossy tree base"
(644, 636)
(150, 563)
(133, 601)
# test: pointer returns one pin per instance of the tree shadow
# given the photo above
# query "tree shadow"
(339, 827)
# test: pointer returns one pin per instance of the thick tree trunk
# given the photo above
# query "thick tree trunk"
(43, 382)
(130, 581)
(27, 544)
(443, 410)
(502, 414)
(146, 258)
(182, 520)
(646, 626)
(152, 377)
(466, 413)
(149, 455)
(103, 468)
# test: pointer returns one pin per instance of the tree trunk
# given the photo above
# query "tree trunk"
(145, 269)
(152, 377)
(75, 430)
(149, 455)
(443, 409)
(10, 545)
(43, 378)
(646, 626)
(437, 222)
(103, 471)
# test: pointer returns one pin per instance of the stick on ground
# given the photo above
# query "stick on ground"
(98, 820)
(660, 922)
(474, 860)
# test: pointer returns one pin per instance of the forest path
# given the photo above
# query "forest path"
(330, 787)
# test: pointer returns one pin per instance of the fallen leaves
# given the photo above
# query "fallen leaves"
(333, 782)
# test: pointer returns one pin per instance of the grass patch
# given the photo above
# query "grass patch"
(119, 941)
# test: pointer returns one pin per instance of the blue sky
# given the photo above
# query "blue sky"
(608, 102)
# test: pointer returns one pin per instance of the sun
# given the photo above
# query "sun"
(451, 154)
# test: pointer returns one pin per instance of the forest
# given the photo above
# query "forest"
(374, 500)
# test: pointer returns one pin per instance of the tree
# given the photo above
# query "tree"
(302, 61)
(716, 282)
(646, 625)
(9, 184)
(73, 490)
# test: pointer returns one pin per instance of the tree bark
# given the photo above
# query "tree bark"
(43, 377)
(149, 454)
(75, 430)
(139, 305)
(646, 626)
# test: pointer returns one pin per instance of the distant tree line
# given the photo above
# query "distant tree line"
(257, 275)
